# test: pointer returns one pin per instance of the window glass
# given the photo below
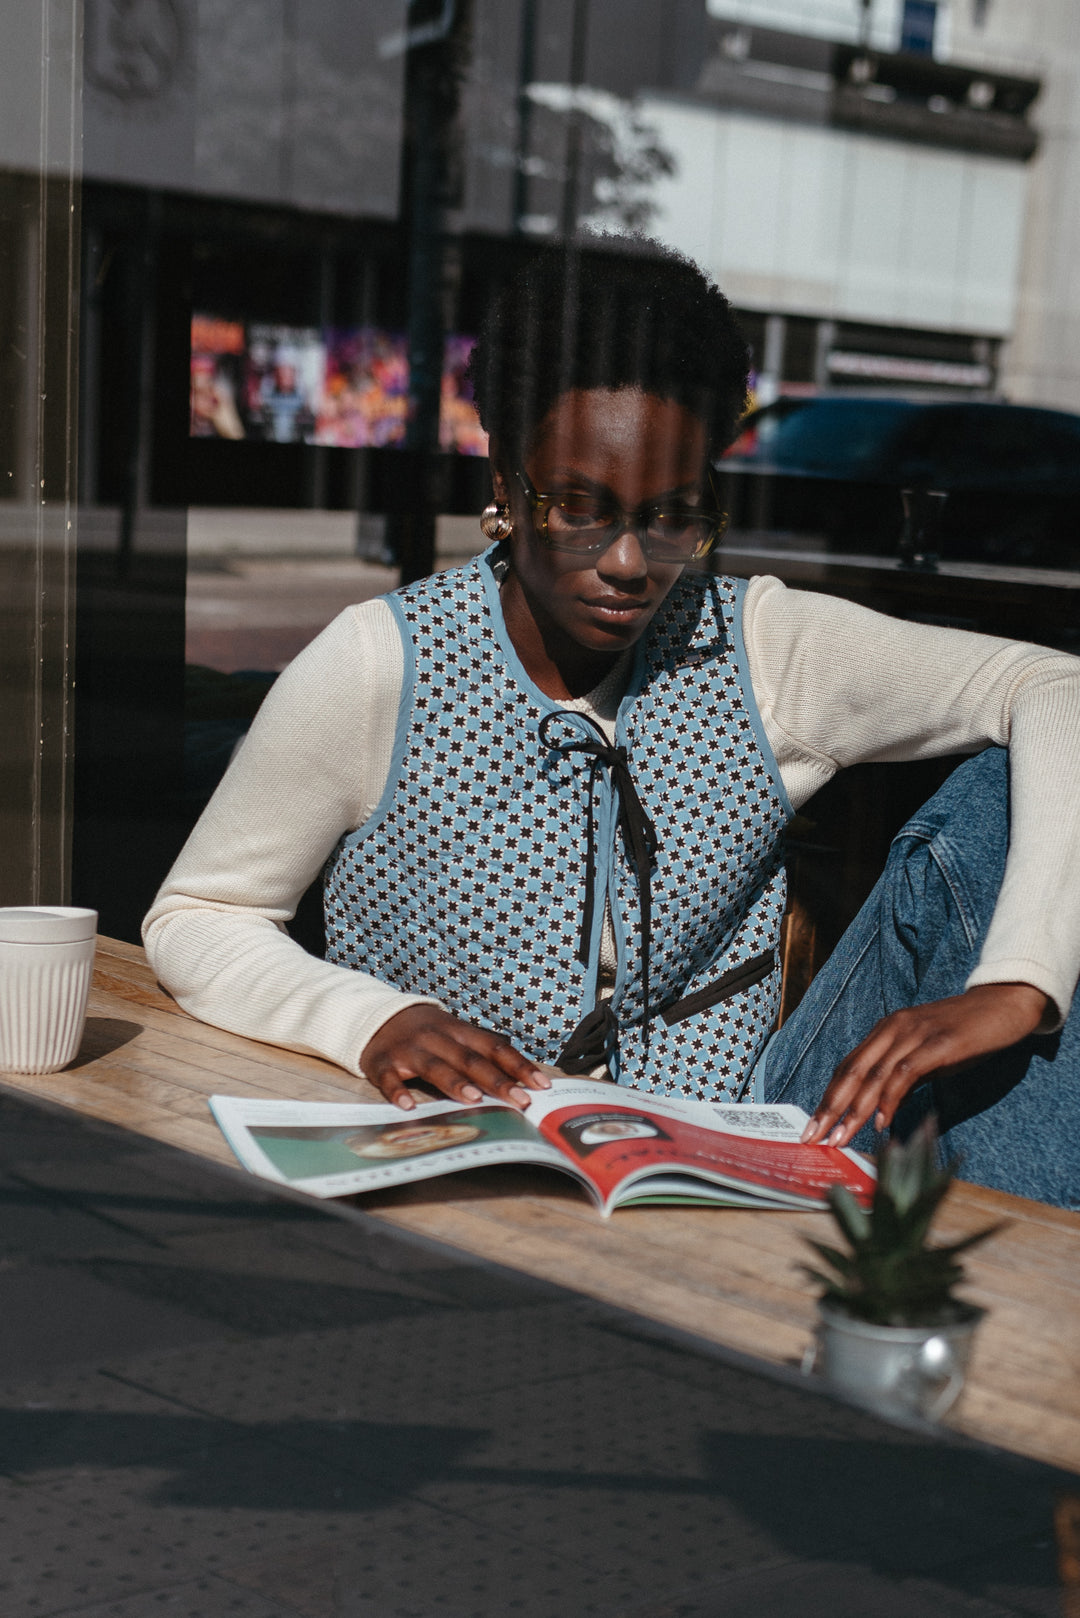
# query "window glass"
(837, 437)
(284, 224)
(39, 314)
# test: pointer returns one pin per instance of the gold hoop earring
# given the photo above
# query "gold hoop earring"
(495, 523)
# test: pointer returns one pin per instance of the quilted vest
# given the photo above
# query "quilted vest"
(471, 880)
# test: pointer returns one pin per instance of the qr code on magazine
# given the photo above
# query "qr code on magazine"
(766, 1122)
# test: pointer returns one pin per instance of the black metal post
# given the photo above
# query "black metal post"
(438, 53)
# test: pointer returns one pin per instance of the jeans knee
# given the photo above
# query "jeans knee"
(947, 863)
(972, 805)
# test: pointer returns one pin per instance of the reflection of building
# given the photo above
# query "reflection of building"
(297, 105)
(862, 200)
(995, 229)
(1041, 362)
(864, 206)
(903, 214)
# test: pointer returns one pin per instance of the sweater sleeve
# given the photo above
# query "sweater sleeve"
(838, 684)
(312, 767)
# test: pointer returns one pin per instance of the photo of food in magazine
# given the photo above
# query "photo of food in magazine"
(410, 1140)
(623, 1147)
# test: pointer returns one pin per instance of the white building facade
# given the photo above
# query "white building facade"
(955, 229)
(1041, 362)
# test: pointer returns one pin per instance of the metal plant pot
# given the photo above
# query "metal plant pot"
(895, 1370)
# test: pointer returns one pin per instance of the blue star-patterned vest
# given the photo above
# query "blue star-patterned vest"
(501, 831)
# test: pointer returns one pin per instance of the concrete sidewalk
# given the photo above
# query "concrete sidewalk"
(217, 1402)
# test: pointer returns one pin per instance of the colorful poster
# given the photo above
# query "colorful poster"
(364, 400)
(459, 425)
(346, 387)
(217, 360)
(283, 378)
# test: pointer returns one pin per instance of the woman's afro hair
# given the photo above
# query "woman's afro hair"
(639, 316)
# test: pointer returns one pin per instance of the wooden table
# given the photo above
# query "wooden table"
(729, 1276)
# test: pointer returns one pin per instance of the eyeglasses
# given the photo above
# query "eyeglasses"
(585, 525)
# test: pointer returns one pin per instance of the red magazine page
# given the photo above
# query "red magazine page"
(609, 1145)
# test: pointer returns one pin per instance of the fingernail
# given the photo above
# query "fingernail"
(406, 1102)
(836, 1137)
(516, 1093)
(807, 1132)
(541, 1078)
(471, 1093)
(879, 1121)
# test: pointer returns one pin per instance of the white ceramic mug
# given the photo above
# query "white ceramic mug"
(46, 961)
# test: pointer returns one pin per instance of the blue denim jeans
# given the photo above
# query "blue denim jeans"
(1014, 1118)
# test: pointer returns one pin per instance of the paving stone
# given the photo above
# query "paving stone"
(424, 1365)
(154, 1194)
(413, 1562)
(30, 1133)
(601, 1422)
(197, 1598)
(343, 1229)
(632, 1531)
(564, 1454)
(295, 1254)
(100, 1535)
(59, 1314)
(86, 1419)
(34, 1222)
(1019, 1575)
(824, 1590)
(96, 1543)
(900, 1507)
(265, 1305)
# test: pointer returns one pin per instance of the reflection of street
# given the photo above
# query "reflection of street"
(248, 608)
(257, 613)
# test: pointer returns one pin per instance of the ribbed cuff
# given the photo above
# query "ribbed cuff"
(1039, 976)
(385, 1007)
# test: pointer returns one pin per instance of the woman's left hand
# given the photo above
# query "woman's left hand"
(920, 1042)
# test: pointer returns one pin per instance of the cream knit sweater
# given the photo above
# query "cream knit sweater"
(836, 685)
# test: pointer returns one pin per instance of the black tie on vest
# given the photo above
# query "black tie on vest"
(598, 1029)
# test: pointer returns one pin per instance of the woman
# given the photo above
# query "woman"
(552, 785)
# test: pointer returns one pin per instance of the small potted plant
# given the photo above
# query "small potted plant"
(892, 1333)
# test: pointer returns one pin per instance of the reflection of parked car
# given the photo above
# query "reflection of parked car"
(831, 467)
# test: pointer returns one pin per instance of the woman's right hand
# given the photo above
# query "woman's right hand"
(464, 1062)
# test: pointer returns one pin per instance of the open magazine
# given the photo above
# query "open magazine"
(626, 1149)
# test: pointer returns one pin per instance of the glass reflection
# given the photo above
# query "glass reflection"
(294, 211)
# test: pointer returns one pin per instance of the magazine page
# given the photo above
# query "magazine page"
(334, 1149)
(620, 1137)
(656, 1190)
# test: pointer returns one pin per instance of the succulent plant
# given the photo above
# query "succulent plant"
(891, 1277)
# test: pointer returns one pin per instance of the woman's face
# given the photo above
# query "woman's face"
(627, 447)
